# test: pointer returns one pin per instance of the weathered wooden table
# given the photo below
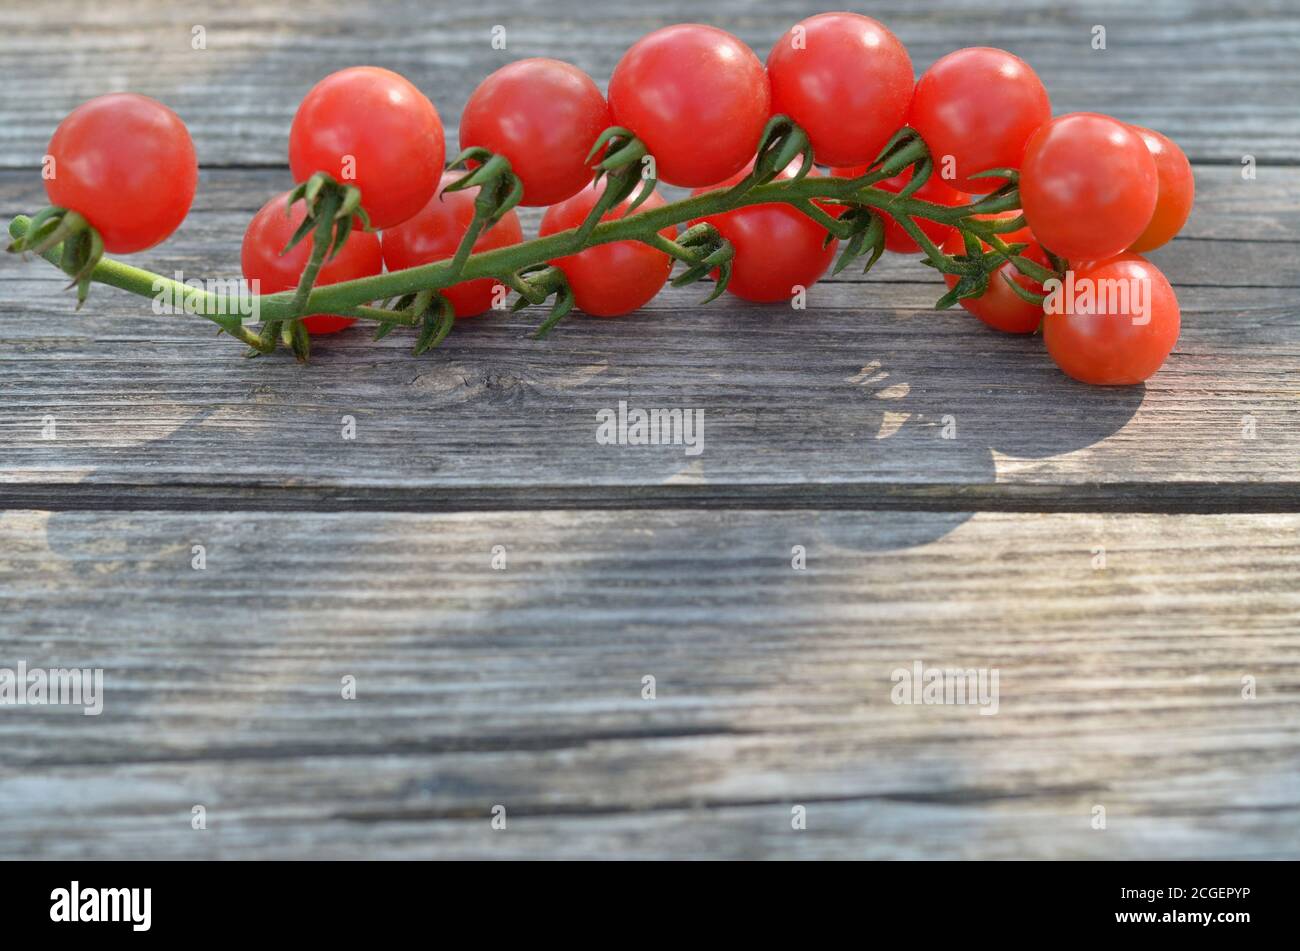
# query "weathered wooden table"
(1126, 559)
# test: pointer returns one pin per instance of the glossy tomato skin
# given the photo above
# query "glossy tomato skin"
(127, 165)
(609, 280)
(847, 80)
(371, 128)
(999, 306)
(1175, 193)
(1121, 347)
(435, 233)
(1088, 186)
(260, 258)
(697, 97)
(776, 246)
(935, 190)
(544, 116)
(980, 106)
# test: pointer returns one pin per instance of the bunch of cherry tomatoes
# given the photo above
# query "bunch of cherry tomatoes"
(1094, 191)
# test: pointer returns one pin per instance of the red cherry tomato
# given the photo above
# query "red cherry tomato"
(544, 116)
(436, 232)
(777, 247)
(127, 165)
(261, 260)
(1112, 340)
(371, 128)
(846, 80)
(999, 306)
(1176, 190)
(697, 97)
(935, 190)
(609, 280)
(979, 106)
(1088, 186)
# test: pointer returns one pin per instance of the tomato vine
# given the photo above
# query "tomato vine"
(966, 167)
(354, 298)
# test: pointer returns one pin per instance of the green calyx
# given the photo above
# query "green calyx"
(332, 209)
(536, 284)
(780, 144)
(704, 250)
(625, 173)
(79, 246)
(499, 191)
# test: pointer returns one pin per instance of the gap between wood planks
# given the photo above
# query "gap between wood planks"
(1172, 498)
(947, 797)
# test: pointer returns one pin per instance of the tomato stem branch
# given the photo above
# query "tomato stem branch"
(353, 298)
(322, 239)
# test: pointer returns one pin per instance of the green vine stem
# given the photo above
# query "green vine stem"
(354, 298)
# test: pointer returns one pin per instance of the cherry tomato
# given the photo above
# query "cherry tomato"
(697, 97)
(436, 232)
(371, 128)
(999, 306)
(1174, 195)
(846, 80)
(609, 280)
(1113, 341)
(979, 106)
(935, 190)
(544, 116)
(777, 247)
(1088, 186)
(261, 260)
(127, 165)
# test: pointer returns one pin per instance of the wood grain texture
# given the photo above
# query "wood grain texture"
(1119, 687)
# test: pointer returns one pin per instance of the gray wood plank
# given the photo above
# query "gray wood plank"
(1119, 687)
(852, 393)
(1219, 77)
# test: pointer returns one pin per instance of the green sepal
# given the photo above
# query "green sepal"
(1023, 293)
(563, 306)
(968, 285)
(439, 317)
(920, 175)
(1012, 175)
(299, 341)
